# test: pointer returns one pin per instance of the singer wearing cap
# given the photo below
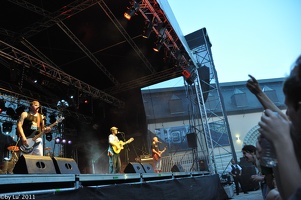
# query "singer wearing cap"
(114, 158)
(31, 124)
(157, 164)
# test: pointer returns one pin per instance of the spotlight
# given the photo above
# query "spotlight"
(49, 137)
(131, 11)
(63, 103)
(147, 30)
(7, 127)
(69, 142)
(161, 29)
(20, 109)
(158, 44)
(58, 140)
(63, 141)
(11, 112)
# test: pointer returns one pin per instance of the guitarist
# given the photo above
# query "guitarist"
(29, 123)
(156, 155)
(114, 158)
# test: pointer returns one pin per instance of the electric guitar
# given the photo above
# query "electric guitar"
(121, 144)
(36, 134)
(157, 157)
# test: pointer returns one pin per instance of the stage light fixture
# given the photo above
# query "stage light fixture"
(49, 137)
(190, 74)
(11, 112)
(7, 127)
(63, 103)
(131, 11)
(147, 30)
(57, 140)
(20, 109)
(161, 29)
(158, 44)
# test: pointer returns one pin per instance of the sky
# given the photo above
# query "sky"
(258, 37)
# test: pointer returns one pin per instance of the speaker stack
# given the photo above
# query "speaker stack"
(191, 140)
(177, 168)
(134, 167)
(32, 164)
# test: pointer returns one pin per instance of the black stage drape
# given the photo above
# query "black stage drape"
(200, 188)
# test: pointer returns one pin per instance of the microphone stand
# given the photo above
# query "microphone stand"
(126, 157)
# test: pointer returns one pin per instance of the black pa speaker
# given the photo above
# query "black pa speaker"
(133, 167)
(177, 168)
(32, 164)
(65, 165)
(204, 75)
(148, 168)
(191, 140)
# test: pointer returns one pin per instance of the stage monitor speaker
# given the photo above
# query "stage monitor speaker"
(133, 167)
(65, 165)
(177, 168)
(32, 164)
(191, 140)
(148, 168)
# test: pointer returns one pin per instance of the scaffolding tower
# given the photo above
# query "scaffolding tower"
(207, 113)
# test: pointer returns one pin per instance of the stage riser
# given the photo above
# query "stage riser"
(190, 187)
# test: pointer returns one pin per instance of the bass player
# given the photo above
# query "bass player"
(29, 123)
(157, 165)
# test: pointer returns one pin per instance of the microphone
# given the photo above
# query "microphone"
(120, 132)
(159, 142)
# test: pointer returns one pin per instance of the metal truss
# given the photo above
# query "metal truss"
(146, 80)
(209, 114)
(152, 12)
(51, 19)
(149, 9)
(117, 24)
(13, 54)
(57, 18)
(17, 96)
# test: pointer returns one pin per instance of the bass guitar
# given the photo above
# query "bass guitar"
(36, 134)
(158, 156)
(121, 144)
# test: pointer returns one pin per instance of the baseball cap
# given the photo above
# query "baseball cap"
(113, 128)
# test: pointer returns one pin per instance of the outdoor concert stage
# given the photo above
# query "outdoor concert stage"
(167, 185)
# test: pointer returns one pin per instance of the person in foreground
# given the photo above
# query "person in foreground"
(31, 125)
(285, 134)
(251, 155)
(254, 87)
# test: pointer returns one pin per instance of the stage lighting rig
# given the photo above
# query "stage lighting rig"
(7, 127)
(132, 10)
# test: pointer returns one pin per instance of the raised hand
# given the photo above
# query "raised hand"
(253, 85)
